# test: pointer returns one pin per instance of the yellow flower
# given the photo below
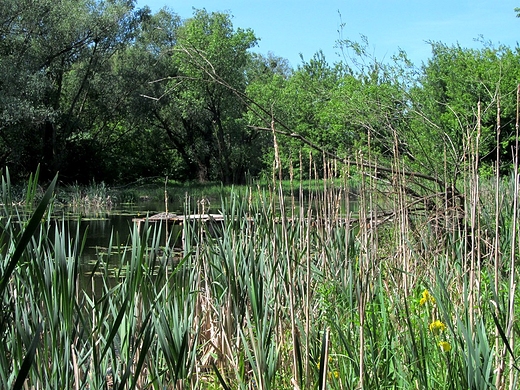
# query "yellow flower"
(437, 326)
(426, 298)
(330, 361)
(333, 374)
(445, 346)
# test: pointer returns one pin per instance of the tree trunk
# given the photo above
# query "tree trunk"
(48, 162)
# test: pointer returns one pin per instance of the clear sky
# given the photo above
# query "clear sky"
(290, 28)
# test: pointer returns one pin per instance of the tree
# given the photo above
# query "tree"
(452, 84)
(201, 116)
(302, 102)
(122, 115)
(50, 51)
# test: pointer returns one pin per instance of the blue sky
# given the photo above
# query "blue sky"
(288, 28)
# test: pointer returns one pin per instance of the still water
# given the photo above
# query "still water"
(99, 227)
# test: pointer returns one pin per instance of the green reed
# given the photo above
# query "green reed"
(321, 289)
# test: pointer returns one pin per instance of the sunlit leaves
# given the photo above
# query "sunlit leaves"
(453, 82)
(203, 115)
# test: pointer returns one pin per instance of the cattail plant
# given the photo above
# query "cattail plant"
(349, 279)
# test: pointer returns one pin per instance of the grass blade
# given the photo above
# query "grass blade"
(28, 232)
(28, 361)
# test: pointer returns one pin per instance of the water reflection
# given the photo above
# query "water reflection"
(100, 227)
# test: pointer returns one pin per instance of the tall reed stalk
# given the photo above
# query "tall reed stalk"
(350, 280)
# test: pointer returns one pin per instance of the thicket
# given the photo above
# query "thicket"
(398, 271)
(104, 91)
(321, 289)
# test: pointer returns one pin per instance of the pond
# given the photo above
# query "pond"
(117, 222)
(99, 227)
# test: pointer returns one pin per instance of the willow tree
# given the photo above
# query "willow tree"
(203, 117)
(49, 53)
(130, 93)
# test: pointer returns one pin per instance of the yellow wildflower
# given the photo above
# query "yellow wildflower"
(437, 327)
(333, 374)
(426, 298)
(445, 346)
(330, 361)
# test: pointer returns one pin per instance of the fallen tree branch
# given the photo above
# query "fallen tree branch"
(347, 160)
(205, 65)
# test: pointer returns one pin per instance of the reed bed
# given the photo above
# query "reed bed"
(318, 288)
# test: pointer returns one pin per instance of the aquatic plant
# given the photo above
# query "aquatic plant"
(312, 290)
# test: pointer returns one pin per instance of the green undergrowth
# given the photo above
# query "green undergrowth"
(305, 292)
(100, 197)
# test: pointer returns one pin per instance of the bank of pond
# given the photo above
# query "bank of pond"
(263, 291)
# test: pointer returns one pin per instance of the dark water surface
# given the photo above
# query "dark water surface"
(102, 226)
(99, 228)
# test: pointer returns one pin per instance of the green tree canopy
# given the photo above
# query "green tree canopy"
(100, 89)
(49, 53)
(452, 84)
(201, 114)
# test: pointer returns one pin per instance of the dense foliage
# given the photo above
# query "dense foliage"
(333, 296)
(100, 90)
(390, 262)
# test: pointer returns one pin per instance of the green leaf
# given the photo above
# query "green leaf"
(28, 361)
(29, 231)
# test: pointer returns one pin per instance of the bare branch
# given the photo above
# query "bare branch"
(347, 160)
(266, 116)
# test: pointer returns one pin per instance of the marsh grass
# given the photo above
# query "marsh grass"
(303, 286)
